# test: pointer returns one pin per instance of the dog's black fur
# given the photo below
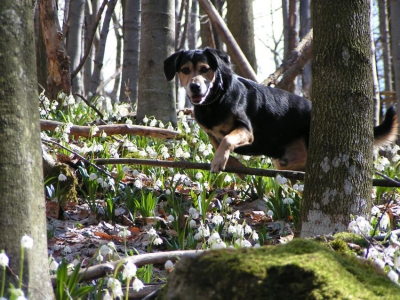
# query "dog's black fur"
(246, 117)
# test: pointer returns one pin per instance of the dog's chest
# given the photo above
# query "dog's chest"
(218, 128)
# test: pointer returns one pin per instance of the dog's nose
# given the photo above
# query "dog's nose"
(195, 87)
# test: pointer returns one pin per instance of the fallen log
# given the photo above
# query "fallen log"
(87, 131)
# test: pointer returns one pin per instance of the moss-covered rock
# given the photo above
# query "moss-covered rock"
(301, 269)
(67, 188)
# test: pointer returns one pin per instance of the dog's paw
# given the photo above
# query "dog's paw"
(218, 163)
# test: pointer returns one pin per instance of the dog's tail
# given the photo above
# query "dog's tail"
(386, 133)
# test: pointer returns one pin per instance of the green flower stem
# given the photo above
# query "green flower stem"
(3, 283)
(128, 279)
(21, 267)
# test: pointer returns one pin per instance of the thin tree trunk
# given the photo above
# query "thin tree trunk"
(74, 40)
(130, 70)
(98, 62)
(192, 32)
(385, 44)
(305, 26)
(395, 34)
(156, 95)
(376, 93)
(118, 56)
(240, 19)
(59, 78)
(339, 164)
(21, 175)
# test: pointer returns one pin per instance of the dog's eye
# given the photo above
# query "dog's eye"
(185, 71)
(204, 70)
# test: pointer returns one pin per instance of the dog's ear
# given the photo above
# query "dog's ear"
(170, 65)
(218, 55)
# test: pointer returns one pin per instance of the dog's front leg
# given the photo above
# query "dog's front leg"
(236, 138)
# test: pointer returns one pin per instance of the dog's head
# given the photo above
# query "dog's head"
(199, 72)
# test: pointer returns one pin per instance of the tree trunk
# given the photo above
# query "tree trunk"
(98, 61)
(118, 56)
(156, 95)
(59, 78)
(241, 24)
(305, 26)
(385, 44)
(41, 58)
(376, 92)
(339, 166)
(130, 70)
(21, 193)
(192, 32)
(395, 33)
(74, 40)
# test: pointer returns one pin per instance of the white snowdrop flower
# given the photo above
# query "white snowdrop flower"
(137, 284)
(62, 177)
(186, 154)
(298, 187)
(199, 175)
(165, 155)
(270, 213)
(254, 235)
(105, 250)
(287, 201)
(4, 260)
(232, 229)
(157, 241)
(164, 149)
(195, 140)
(153, 123)
(138, 183)
(187, 181)
(179, 152)
(206, 152)
(281, 180)
(65, 137)
(169, 265)
(236, 215)
(116, 288)
(396, 158)
(380, 263)
(99, 258)
(53, 265)
(213, 237)
(217, 219)
(239, 230)
(228, 178)
(126, 169)
(170, 218)
(124, 233)
(375, 210)
(384, 222)
(129, 271)
(193, 213)
(192, 223)
(158, 183)
(26, 242)
(393, 276)
(92, 176)
(135, 172)
(67, 250)
(100, 180)
(152, 232)
(142, 153)
(202, 147)
(247, 229)
(184, 142)
(71, 100)
(246, 157)
(145, 120)
(198, 236)
(197, 158)
(243, 243)
(170, 127)
(257, 245)
(161, 124)
(128, 122)
(218, 244)
(168, 192)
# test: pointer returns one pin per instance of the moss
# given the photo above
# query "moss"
(301, 269)
(352, 238)
(69, 187)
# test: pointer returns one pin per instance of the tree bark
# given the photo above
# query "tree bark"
(305, 26)
(395, 33)
(385, 44)
(156, 95)
(21, 193)
(240, 19)
(59, 78)
(339, 165)
(130, 69)
(118, 57)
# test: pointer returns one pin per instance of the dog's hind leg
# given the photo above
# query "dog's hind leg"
(294, 158)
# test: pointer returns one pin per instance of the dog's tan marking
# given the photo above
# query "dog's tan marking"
(295, 157)
(201, 74)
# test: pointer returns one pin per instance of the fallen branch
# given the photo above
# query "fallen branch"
(200, 166)
(297, 59)
(296, 175)
(102, 270)
(87, 131)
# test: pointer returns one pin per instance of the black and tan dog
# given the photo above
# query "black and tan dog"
(246, 117)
